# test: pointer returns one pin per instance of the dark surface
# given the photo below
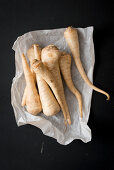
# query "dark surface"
(20, 148)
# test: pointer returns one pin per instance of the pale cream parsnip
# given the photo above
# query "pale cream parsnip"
(33, 103)
(30, 55)
(65, 67)
(71, 37)
(50, 57)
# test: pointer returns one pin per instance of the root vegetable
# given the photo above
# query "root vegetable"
(50, 57)
(65, 67)
(33, 103)
(42, 71)
(50, 105)
(71, 37)
(31, 56)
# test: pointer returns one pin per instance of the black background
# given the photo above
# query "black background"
(20, 148)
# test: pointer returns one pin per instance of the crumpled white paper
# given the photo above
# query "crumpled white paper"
(54, 126)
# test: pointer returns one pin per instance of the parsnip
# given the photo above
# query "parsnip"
(65, 67)
(42, 71)
(71, 37)
(49, 103)
(50, 57)
(31, 56)
(33, 103)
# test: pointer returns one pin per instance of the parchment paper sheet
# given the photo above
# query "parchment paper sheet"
(54, 126)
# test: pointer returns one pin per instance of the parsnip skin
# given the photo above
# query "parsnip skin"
(23, 103)
(37, 51)
(50, 57)
(49, 103)
(71, 37)
(33, 103)
(65, 67)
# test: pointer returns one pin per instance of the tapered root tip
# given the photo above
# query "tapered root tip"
(22, 55)
(108, 97)
(65, 127)
(81, 115)
(23, 104)
(69, 121)
(65, 122)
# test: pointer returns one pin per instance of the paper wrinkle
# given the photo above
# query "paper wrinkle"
(54, 126)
